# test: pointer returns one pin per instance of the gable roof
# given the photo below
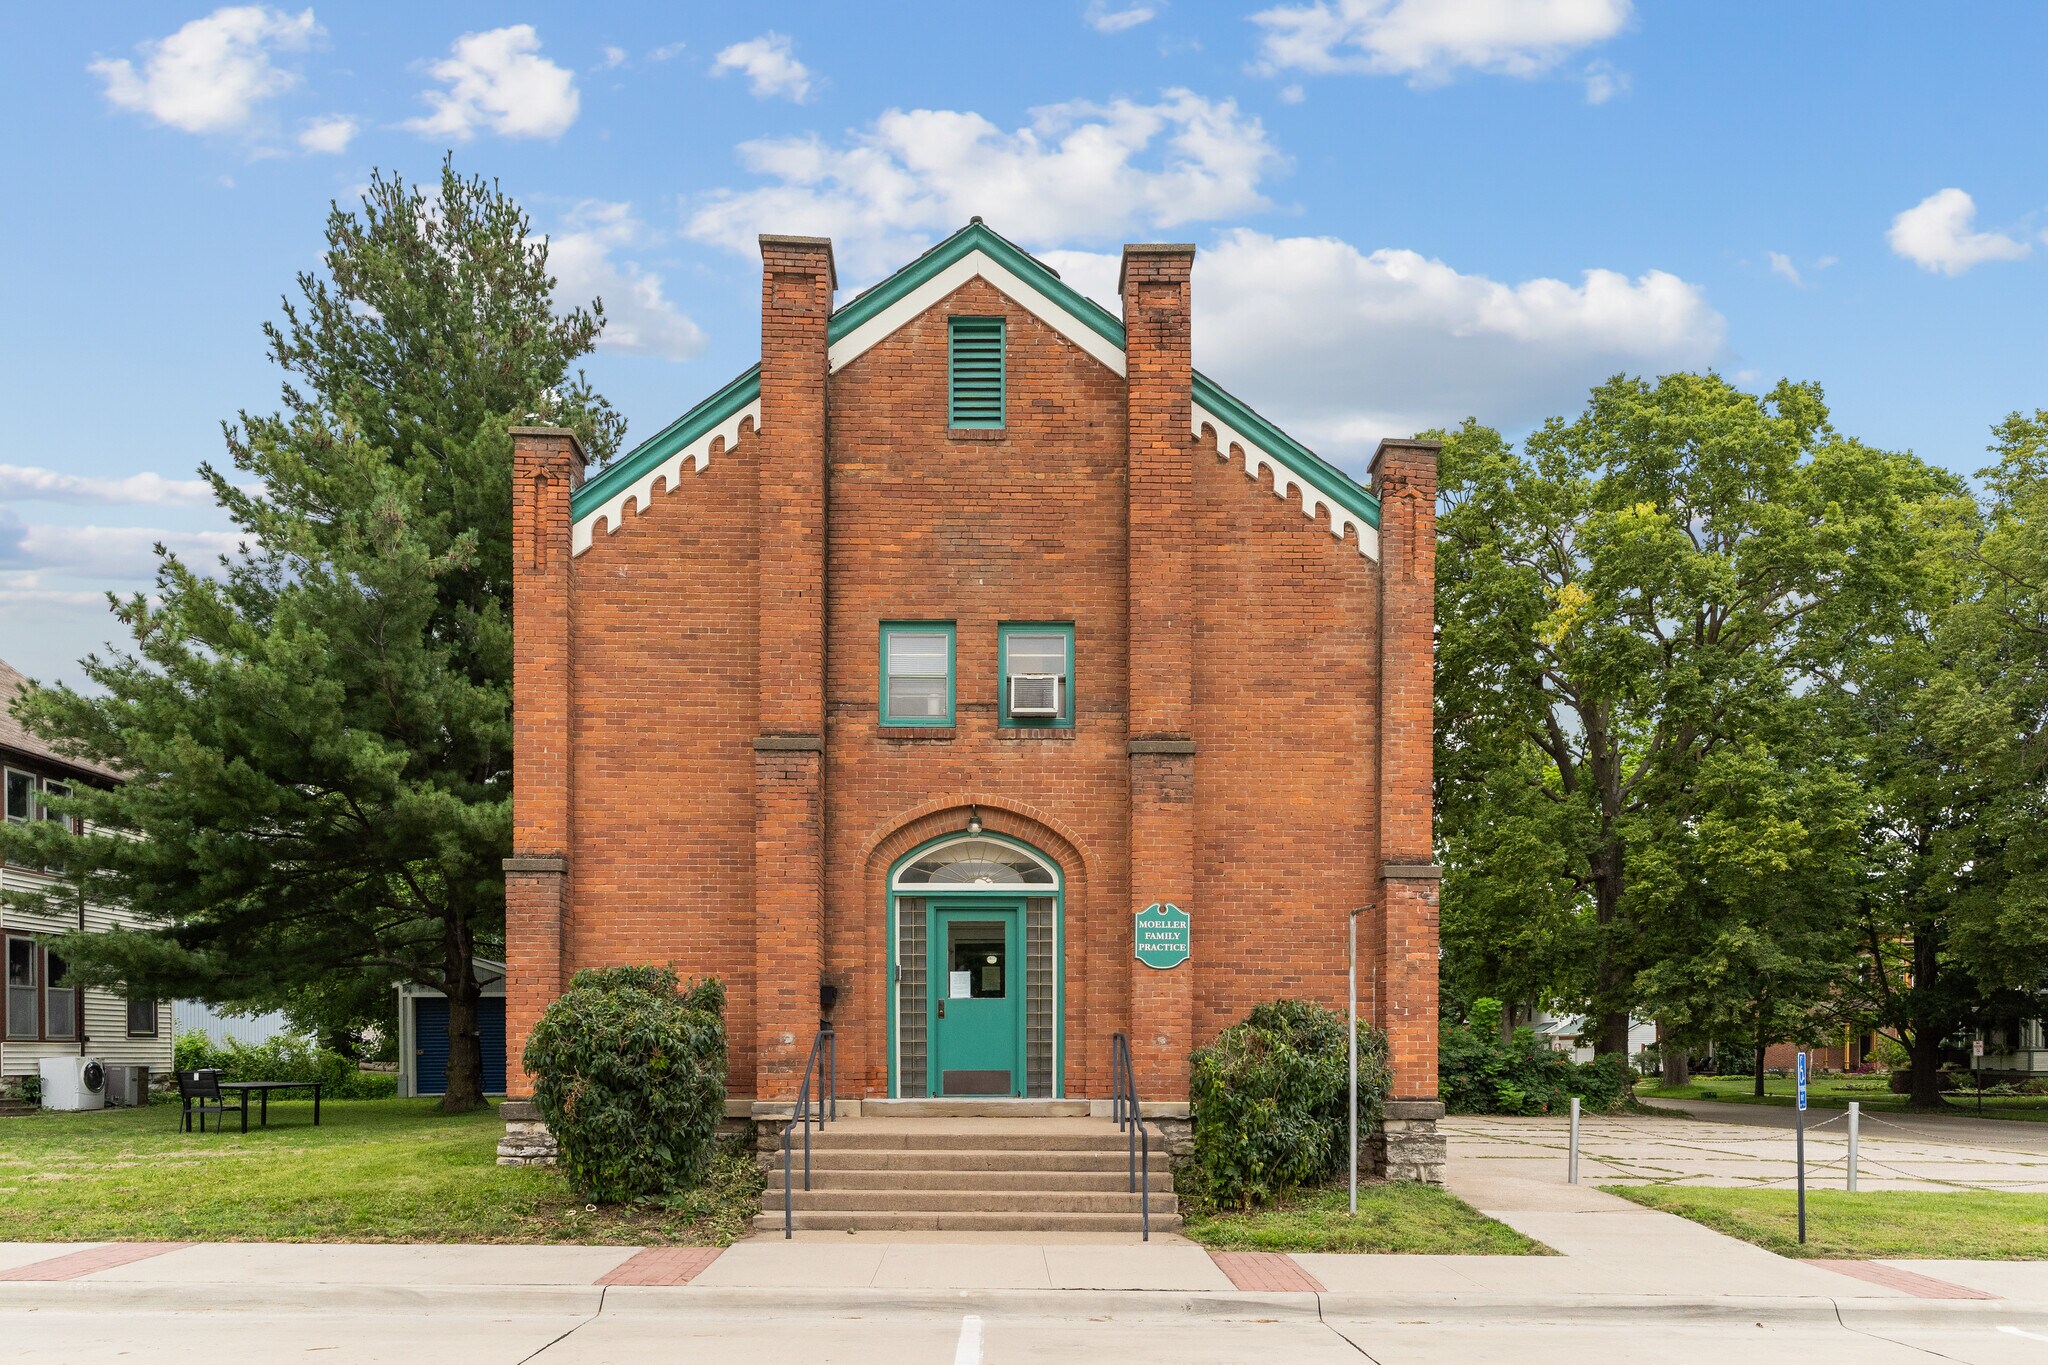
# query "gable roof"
(977, 251)
(17, 740)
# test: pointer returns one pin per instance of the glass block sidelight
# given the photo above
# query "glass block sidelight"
(1040, 998)
(910, 997)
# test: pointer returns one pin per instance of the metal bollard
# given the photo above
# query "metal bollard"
(1855, 1120)
(1575, 1142)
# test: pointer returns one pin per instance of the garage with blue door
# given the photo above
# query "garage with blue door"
(423, 1034)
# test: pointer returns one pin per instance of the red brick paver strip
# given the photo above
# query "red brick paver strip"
(1905, 1281)
(1269, 1271)
(662, 1266)
(81, 1263)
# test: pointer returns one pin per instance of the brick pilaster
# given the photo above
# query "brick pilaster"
(1159, 377)
(1404, 478)
(797, 281)
(547, 465)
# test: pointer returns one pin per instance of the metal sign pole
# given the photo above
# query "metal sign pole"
(1855, 1121)
(1799, 1145)
(1574, 1176)
(1351, 1047)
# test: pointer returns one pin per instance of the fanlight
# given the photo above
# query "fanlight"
(976, 862)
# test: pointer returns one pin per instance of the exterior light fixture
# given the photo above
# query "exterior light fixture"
(973, 820)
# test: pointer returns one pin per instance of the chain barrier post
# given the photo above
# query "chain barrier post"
(1574, 1179)
(1799, 1147)
(1855, 1120)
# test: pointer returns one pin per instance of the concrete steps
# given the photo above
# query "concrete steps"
(967, 1166)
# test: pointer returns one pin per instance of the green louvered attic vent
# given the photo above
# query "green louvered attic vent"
(975, 357)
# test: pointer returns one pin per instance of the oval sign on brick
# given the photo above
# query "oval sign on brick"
(1160, 936)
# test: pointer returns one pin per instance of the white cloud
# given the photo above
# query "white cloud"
(769, 63)
(330, 133)
(614, 57)
(1781, 265)
(28, 483)
(1078, 173)
(1292, 93)
(1103, 19)
(1342, 346)
(639, 319)
(104, 552)
(1936, 234)
(1429, 40)
(1603, 82)
(210, 75)
(666, 51)
(498, 80)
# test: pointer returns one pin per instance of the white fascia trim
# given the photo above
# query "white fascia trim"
(1285, 482)
(613, 512)
(977, 262)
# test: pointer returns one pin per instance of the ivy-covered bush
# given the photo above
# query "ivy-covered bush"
(628, 1070)
(1480, 1073)
(287, 1057)
(1267, 1099)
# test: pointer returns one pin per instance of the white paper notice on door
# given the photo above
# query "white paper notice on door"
(962, 985)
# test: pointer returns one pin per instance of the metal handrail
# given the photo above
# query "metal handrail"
(1130, 1121)
(823, 1067)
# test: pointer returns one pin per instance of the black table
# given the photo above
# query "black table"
(264, 1088)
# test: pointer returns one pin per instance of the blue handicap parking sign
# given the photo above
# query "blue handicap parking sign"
(1802, 1081)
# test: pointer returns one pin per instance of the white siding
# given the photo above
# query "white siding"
(105, 1014)
(192, 1016)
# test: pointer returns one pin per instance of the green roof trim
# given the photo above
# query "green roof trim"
(1332, 482)
(625, 471)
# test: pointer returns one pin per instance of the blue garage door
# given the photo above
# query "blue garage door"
(430, 1034)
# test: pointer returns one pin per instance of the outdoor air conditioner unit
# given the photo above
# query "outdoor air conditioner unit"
(1034, 694)
(128, 1085)
(74, 1083)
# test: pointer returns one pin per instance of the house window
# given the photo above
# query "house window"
(60, 1003)
(21, 794)
(141, 1018)
(54, 789)
(22, 983)
(917, 673)
(974, 354)
(1037, 667)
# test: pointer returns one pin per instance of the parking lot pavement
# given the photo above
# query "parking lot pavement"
(1641, 1150)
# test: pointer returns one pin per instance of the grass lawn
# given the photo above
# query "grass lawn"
(1910, 1224)
(1835, 1092)
(373, 1171)
(1416, 1219)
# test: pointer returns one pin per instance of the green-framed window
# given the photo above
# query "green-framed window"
(917, 673)
(1036, 650)
(974, 365)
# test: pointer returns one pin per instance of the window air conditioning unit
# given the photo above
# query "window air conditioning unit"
(1034, 694)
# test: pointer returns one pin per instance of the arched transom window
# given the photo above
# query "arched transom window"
(976, 862)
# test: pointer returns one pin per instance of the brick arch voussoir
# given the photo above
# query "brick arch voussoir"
(1044, 831)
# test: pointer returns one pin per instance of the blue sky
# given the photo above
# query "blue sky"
(1408, 212)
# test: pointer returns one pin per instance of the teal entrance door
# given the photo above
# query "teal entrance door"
(977, 999)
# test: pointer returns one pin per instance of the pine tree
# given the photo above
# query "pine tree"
(317, 737)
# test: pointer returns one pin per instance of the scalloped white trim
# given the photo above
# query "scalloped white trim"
(1286, 482)
(613, 512)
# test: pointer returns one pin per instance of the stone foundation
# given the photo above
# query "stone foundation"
(527, 1141)
(1408, 1145)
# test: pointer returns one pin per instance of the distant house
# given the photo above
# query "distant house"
(44, 1017)
(221, 1026)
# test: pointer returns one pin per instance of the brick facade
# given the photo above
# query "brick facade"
(704, 778)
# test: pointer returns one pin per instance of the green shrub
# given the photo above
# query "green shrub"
(287, 1057)
(1479, 1073)
(1268, 1097)
(629, 1071)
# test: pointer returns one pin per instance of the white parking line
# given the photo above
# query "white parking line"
(2021, 1332)
(968, 1352)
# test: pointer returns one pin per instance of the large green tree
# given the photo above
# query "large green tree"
(1634, 592)
(317, 737)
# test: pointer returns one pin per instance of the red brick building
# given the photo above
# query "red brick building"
(920, 662)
